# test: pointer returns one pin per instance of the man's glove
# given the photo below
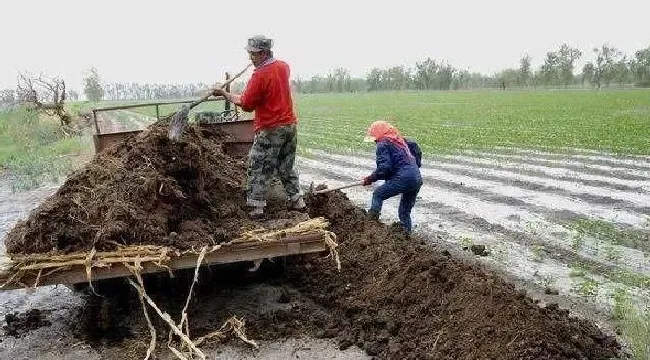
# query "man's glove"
(367, 181)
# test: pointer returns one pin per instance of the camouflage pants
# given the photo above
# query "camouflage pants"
(273, 152)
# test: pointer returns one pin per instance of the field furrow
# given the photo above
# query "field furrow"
(494, 191)
(542, 223)
(619, 170)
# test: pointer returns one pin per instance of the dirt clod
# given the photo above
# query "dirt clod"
(551, 291)
(18, 324)
(478, 250)
(284, 297)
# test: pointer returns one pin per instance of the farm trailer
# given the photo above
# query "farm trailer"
(237, 144)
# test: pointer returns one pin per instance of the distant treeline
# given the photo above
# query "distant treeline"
(610, 67)
(137, 91)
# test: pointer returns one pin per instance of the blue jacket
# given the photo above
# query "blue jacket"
(394, 164)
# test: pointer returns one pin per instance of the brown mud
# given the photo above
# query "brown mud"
(399, 299)
(395, 298)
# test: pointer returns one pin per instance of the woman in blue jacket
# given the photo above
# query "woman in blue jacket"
(398, 163)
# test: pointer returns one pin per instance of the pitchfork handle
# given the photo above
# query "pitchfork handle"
(359, 183)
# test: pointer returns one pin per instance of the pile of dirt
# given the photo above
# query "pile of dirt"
(400, 299)
(18, 324)
(146, 190)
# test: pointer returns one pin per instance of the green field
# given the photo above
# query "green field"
(610, 121)
(33, 149)
(615, 121)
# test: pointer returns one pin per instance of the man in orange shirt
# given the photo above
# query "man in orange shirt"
(268, 93)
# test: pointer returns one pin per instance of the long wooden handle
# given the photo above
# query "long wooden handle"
(223, 86)
(358, 183)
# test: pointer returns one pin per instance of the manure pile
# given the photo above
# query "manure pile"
(148, 190)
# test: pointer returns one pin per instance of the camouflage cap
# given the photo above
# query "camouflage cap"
(259, 43)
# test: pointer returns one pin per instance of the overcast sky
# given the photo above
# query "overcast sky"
(197, 41)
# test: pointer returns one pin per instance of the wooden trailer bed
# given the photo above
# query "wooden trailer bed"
(227, 253)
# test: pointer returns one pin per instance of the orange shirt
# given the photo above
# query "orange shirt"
(268, 93)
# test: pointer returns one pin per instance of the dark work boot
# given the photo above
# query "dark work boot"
(257, 213)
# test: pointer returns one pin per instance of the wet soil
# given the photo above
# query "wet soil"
(398, 298)
(16, 324)
(395, 298)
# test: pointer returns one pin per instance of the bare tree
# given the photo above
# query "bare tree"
(44, 94)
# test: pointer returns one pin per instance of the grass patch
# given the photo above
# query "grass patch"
(79, 107)
(71, 146)
(584, 284)
(466, 242)
(630, 278)
(580, 269)
(443, 121)
(35, 168)
(634, 324)
(546, 280)
(538, 253)
(34, 150)
(609, 233)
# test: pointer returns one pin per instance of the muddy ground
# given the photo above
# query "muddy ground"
(76, 320)
(396, 297)
(386, 301)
